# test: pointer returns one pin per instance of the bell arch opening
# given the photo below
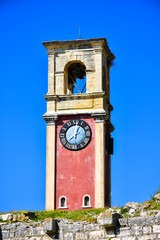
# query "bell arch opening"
(75, 78)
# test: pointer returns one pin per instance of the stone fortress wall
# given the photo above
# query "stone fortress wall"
(109, 227)
(134, 221)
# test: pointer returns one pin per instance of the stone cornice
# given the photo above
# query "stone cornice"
(99, 116)
(80, 43)
(74, 96)
(74, 42)
(50, 119)
(51, 115)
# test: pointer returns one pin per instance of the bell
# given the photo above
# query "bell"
(78, 73)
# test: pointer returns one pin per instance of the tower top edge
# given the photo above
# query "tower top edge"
(76, 41)
(79, 43)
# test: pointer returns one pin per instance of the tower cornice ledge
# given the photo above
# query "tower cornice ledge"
(79, 43)
(54, 115)
(50, 119)
(75, 96)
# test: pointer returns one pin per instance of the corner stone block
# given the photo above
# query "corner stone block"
(108, 220)
(50, 226)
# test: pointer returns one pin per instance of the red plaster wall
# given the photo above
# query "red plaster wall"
(107, 173)
(75, 170)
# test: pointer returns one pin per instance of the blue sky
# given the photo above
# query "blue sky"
(132, 29)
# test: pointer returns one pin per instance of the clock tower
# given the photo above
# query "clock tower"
(79, 142)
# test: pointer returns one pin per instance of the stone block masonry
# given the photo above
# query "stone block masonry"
(135, 228)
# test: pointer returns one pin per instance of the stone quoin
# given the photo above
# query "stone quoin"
(79, 142)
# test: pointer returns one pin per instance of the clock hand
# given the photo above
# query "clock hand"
(75, 130)
(71, 137)
(77, 133)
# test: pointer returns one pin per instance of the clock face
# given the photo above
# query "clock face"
(75, 134)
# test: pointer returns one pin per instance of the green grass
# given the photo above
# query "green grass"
(79, 215)
(89, 215)
(155, 205)
(156, 192)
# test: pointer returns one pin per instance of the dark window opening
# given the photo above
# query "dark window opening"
(109, 144)
(77, 78)
(63, 202)
(86, 201)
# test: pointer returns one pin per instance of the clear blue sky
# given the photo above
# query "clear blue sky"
(132, 29)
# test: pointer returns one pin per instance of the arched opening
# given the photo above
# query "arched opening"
(86, 201)
(75, 74)
(62, 202)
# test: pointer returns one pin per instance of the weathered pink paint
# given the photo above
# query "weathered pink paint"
(107, 169)
(75, 170)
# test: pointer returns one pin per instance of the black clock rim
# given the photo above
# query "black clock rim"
(79, 147)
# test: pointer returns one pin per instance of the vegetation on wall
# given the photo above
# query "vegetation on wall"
(131, 209)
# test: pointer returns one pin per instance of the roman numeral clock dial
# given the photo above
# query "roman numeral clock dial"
(75, 135)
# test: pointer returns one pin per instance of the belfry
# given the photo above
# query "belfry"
(79, 143)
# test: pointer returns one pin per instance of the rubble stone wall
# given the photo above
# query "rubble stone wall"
(135, 228)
